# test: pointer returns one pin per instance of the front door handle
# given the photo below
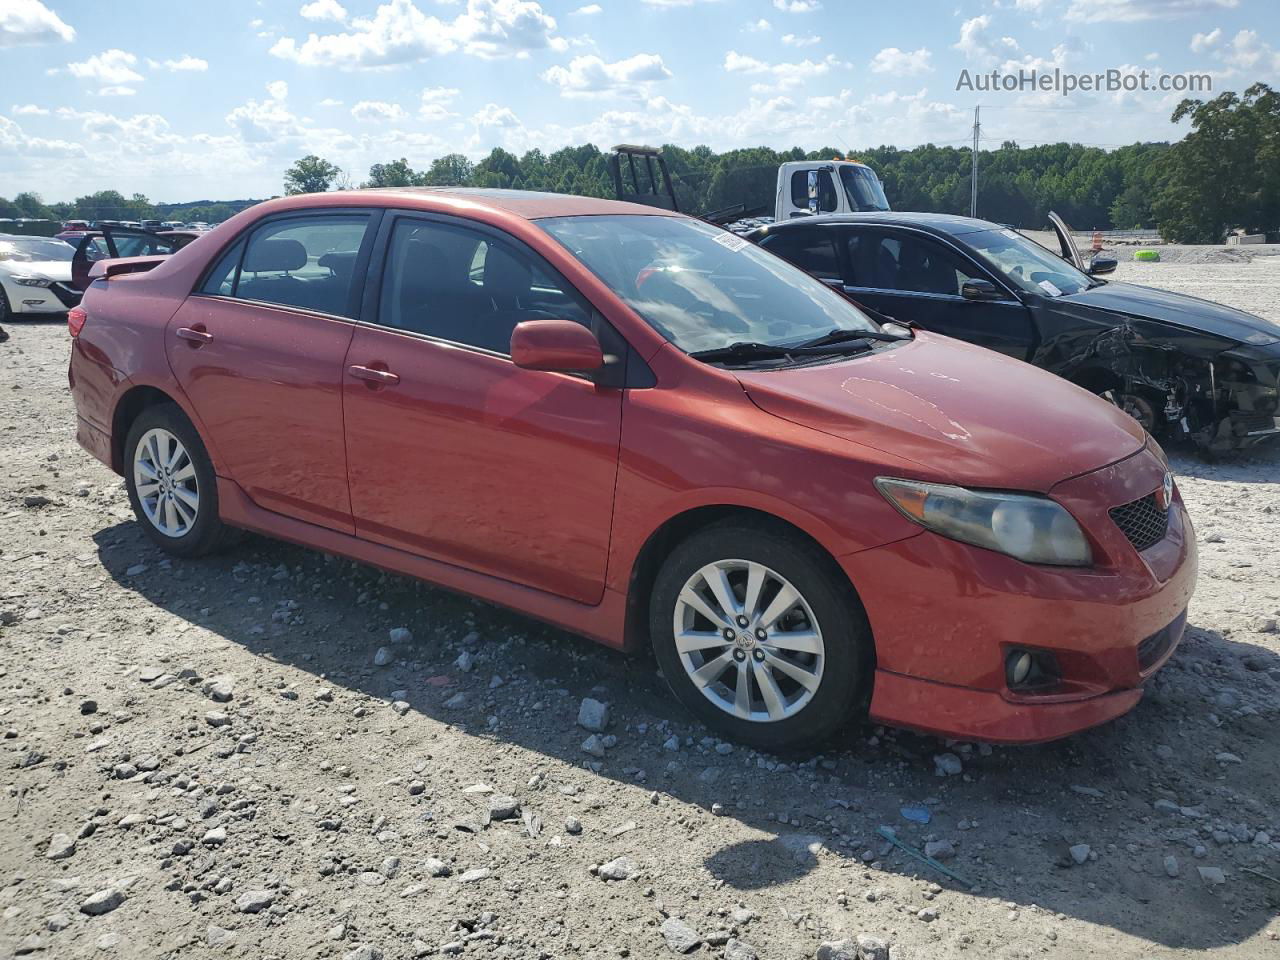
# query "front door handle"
(197, 335)
(374, 376)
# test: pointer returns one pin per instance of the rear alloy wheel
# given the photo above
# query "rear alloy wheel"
(171, 483)
(759, 636)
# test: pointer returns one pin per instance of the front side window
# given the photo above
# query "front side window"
(863, 189)
(462, 285)
(826, 191)
(812, 250)
(701, 287)
(916, 264)
(307, 262)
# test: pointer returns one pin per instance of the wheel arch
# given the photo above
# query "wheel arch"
(129, 407)
(679, 527)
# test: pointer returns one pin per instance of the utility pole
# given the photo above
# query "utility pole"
(973, 186)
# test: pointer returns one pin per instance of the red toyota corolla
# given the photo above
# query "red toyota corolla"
(635, 425)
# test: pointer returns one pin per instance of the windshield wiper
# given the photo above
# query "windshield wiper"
(841, 335)
(748, 350)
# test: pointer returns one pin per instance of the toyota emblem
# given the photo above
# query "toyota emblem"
(1164, 496)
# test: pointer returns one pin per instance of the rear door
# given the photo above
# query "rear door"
(913, 276)
(259, 350)
(454, 452)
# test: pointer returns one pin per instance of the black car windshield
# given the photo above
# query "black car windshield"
(34, 249)
(1028, 265)
(863, 189)
(702, 287)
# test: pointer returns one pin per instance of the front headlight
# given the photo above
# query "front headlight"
(33, 281)
(1032, 528)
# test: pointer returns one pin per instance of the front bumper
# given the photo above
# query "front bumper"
(51, 300)
(945, 614)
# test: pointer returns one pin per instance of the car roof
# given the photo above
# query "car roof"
(939, 222)
(526, 204)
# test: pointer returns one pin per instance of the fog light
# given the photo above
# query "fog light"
(1031, 670)
(1019, 668)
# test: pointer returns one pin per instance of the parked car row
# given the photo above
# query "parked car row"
(646, 429)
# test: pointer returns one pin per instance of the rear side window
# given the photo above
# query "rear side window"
(462, 285)
(308, 262)
(812, 250)
(221, 280)
(915, 264)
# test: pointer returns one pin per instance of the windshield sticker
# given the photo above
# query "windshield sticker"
(1050, 289)
(731, 241)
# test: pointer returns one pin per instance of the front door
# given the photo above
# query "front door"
(914, 277)
(259, 352)
(453, 451)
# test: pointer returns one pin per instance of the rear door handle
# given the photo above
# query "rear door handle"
(197, 335)
(374, 376)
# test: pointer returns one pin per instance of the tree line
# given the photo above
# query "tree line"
(1224, 174)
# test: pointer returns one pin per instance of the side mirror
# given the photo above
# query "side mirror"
(557, 346)
(1101, 265)
(979, 290)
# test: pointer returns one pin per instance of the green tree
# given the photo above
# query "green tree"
(311, 174)
(397, 173)
(32, 206)
(451, 170)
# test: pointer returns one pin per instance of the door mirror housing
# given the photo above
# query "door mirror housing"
(555, 346)
(979, 290)
(1101, 265)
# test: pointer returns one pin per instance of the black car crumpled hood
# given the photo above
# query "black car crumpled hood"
(1164, 306)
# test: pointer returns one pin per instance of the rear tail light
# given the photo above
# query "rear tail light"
(75, 320)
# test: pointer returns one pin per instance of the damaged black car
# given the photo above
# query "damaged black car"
(1185, 368)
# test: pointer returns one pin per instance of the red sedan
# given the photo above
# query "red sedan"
(639, 427)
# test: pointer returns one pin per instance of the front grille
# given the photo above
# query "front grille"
(1142, 521)
(1154, 648)
(68, 294)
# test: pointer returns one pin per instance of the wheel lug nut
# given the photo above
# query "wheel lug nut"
(759, 655)
(739, 655)
(743, 621)
(761, 634)
(729, 634)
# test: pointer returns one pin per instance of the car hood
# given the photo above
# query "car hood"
(964, 414)
(1192, 313)
(57, 270)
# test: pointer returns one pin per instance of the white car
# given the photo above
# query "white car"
(35, 276)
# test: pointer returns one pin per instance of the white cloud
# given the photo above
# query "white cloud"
(111, 68)
(785, 75)
(324, 10)
(1132, 11)
(590, 10)
(978, 44)
(13, 141)
(435, 103)
(329, 102)
(278, 89)
(29, 21)
(379, 111)
(1247, 52)
(28, 110)
(185, 63)
(118, 90)
(759, 26)
(797, 6)
(791, 40)
(492, 115)
(1204, 41)
(400, 33)
(591, 76)
(903, 63)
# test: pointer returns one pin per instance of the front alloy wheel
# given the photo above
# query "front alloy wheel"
(760, 635)
(749, 640)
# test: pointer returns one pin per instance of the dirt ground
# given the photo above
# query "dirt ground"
(235, 757)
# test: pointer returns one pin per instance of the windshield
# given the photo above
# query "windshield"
(863, 188)
(30, 249)
(702, 287)
(1027, 264)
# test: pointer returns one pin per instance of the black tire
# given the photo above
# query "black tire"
(843, 692)
(206, 533)
(5, 313)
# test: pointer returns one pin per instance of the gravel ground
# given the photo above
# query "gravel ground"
(274, 753)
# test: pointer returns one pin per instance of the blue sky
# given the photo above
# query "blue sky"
(184, 101)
